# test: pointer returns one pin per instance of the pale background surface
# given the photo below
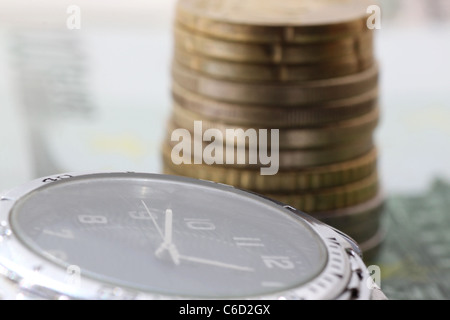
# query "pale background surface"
(119, 66)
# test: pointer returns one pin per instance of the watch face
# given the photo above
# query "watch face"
(170, 236)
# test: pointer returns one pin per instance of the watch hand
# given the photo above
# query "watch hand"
(153, 219)
(173, 251)
(168, 227)
(214, 263)
(176, 257)
(167, 239)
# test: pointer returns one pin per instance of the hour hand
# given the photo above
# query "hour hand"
(167, 241)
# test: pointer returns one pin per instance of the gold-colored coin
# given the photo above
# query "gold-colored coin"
(284, 181)
(288, 159)
(332, 134)
(264, 21)
(277, 117)
(364, 231)
(333, 198)
(227, 70)
(277, 94)
(354, 215)
(361, 222)
(354, 47)
(371, 247)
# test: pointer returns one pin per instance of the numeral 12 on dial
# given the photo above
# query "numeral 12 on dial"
(272, 262)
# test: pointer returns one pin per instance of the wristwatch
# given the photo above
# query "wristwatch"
(128, 235)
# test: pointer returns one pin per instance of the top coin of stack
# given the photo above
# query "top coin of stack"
(304, 67)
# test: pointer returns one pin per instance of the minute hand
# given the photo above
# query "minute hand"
(214, 263)
(153, 219)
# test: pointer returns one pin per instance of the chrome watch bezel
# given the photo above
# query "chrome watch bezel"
(28, 274)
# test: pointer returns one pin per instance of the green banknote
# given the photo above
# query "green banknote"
(414, 260)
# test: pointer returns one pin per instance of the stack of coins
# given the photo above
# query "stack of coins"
(306, 68)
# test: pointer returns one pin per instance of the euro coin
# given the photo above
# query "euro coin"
(275, 116)
(258, 72)
(312, 178)
(332, 198)
(351, 47)
(277, 94)
(268, 21)
(292, 138)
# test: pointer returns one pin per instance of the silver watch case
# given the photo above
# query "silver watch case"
(24, 274)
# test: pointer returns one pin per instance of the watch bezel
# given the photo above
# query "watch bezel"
(35, 276)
